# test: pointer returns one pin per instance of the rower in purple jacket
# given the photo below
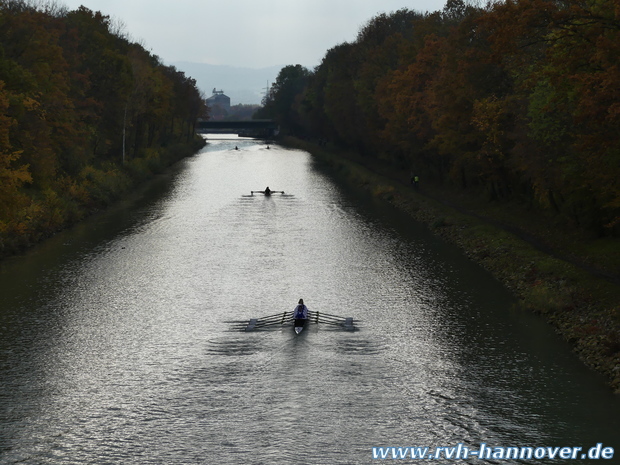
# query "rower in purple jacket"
(300, 314)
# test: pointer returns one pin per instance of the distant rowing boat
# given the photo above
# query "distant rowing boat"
(267, 192)
(283, 319)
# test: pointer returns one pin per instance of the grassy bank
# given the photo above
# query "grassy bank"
(95, 188)
(571, 279)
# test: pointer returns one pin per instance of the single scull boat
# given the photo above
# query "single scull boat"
(299, 324)
(267, 192)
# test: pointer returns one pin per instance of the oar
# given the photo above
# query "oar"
(327, 317)
(278, 318)
(329, 314)
(275, 315)
(269, 320)
(265, 321)
(272, 322)
(266, 325)
(271, 192)
(270, 317)
(323, 315)
(333, 323)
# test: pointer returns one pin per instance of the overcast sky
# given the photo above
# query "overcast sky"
(246, 33)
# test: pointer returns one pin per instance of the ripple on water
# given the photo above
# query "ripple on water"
(125, 354)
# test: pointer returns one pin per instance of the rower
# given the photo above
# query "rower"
(300, 314)
(267, 191)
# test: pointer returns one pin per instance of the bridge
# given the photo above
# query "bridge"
(260, 128)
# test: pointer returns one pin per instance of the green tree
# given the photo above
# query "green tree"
(280, 101)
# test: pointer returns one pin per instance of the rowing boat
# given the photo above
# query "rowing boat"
(284, 319)
(266, 193)
(299, 324)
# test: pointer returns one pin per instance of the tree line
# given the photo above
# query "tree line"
(84, 113)
(517, 99)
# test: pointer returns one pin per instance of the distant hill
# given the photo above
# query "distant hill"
(242, 85)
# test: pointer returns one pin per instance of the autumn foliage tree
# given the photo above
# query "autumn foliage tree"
(73, 93)
(563, 57)
(516, 100)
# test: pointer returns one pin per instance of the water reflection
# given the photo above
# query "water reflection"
(115, 345)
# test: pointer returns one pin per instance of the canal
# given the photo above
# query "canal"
(117, 347)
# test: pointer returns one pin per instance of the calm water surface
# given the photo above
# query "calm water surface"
(116, 345)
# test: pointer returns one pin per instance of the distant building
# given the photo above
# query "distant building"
(219, 104)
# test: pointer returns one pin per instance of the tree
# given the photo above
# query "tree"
(67, 80)
(279, 102)
(563, 57)
(13, 174)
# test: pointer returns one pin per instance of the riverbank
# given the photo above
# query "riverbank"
(570, 279)
(95, 189)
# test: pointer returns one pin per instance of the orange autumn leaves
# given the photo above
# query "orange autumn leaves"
(83, 112)
(518, 99)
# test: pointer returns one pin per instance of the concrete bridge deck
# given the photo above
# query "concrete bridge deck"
(251, 128)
